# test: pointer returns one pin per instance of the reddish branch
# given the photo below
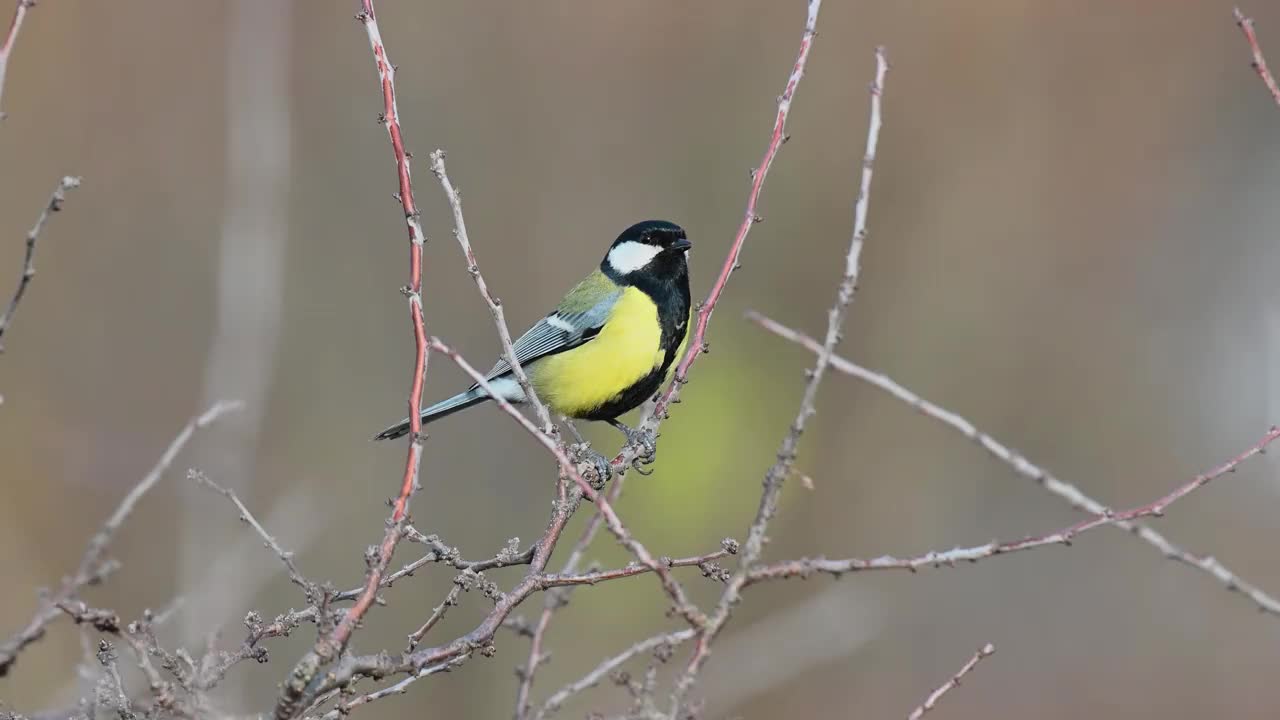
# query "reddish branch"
(54, 205)
(1259, 61)
(698, 342)
(777, 475)
(331, 644)
(954, 682)
(10, 37)
(1024, 467)
(93, 565)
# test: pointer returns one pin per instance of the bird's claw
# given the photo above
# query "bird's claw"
(645, 443)
(600, 470)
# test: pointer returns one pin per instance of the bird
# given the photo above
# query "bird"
(610, 343)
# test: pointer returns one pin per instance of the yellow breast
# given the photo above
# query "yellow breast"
(626, 350)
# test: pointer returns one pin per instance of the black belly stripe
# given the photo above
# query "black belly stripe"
(673, 301)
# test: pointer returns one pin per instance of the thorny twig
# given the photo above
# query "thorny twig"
(297, 691)
(775, 477)
(92, 565)
(1259, 62)
(954, 682)
(1024, 467)
(54, 205)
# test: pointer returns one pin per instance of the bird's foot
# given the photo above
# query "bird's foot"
(599, 471)
(645, 444)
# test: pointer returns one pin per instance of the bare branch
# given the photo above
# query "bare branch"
(10, 37)
(102, 620)
(697, 344)
(1259, 61)
(285, 556)
(601, 671)
(1024, 467)
(399, 688)
(777, 474)
(442, 553)
(556, 599)
(295, 693)
(494, 304)
(804, 567)
(92, 565)
(954, 682)
(54, 205)
(704, 562)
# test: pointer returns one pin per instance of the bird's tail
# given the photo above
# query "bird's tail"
(461, 401)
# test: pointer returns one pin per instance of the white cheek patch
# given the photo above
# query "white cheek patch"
(631, 256)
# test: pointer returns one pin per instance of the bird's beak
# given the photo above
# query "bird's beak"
(681, 244)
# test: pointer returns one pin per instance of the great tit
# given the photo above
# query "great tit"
(609, 344)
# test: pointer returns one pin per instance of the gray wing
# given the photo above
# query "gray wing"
(558, 332)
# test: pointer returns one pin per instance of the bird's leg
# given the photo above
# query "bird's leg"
(644, 441)
(583, 452)
(573, 429)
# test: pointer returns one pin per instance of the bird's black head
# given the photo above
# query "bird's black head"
(654, 249)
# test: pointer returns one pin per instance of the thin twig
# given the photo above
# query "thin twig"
(777, 474)
(442, 553)
(494, 304)
(397, 689)
(705, 562)
(601, 671)
(296, 692)
(102, 620)
(1024, 467)
(28, 263)
(697, 344)
(92, 565)
(1259, 61)
(285, 556)
(946, 687)
(10, 37)
(437, 613)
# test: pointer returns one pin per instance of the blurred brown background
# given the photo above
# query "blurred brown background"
(1072, 243)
